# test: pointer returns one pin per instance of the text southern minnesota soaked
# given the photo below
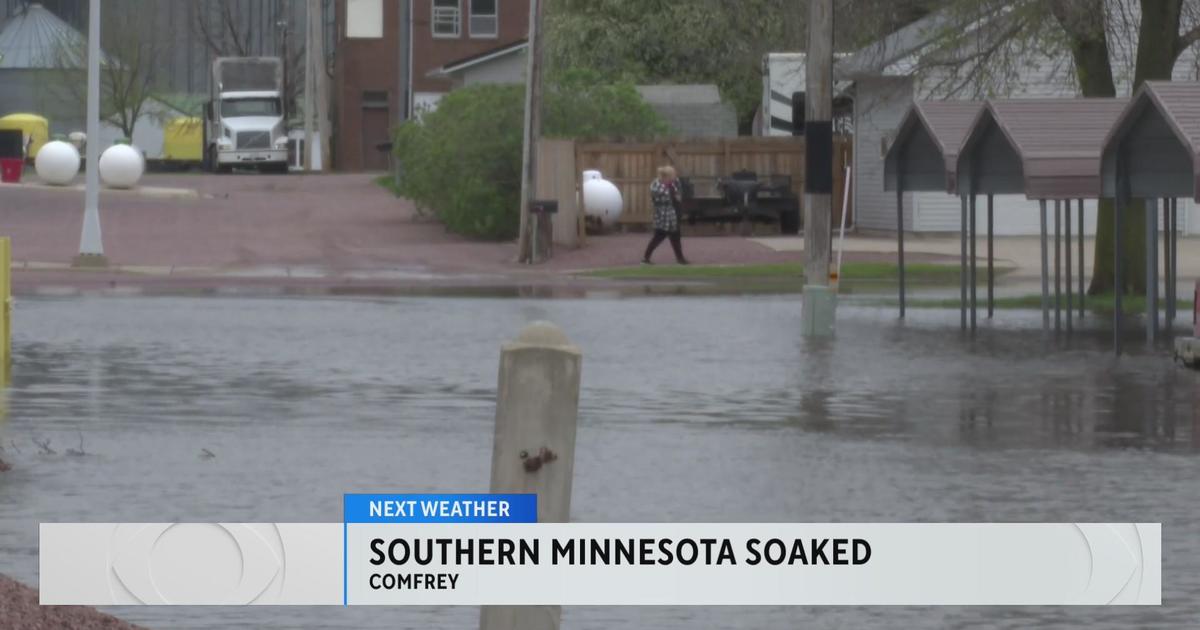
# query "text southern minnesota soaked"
(446, 553)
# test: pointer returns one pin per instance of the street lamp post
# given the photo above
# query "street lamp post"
(91, 245)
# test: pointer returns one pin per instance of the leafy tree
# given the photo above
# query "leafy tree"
(463, 160)
(1111, 47)
(698, 41)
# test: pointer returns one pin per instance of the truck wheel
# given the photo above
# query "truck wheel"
(217, 167)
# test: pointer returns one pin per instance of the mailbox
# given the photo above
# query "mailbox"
(543, 207)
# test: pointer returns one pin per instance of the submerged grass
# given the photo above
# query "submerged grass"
(1105, 303)
(920, 273)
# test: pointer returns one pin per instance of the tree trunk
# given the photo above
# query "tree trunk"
(1157, 37)
(1133, 243)
(1156, 55)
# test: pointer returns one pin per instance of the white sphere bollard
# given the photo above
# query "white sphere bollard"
(602, 201)
(57, 163)
(121, 166)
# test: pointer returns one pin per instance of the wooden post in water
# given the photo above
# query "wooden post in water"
(537, 409)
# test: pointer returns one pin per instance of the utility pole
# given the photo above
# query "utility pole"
(282, 25)
(819, 302)
(316, 21)
(533, 128)
(91, 244)
(308, 87)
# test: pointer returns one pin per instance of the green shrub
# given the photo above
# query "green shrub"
(463, 160)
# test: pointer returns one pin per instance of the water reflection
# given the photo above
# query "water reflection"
(693, 409)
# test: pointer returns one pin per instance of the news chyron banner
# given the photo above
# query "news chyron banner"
(473, 550)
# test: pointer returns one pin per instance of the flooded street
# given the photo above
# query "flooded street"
(693, 409)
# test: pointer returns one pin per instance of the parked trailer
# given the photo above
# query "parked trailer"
(183, 142)
(785, 79)
(744, 198)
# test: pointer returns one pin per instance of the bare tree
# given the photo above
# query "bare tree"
(1100, 48)
(223, 28)
(128, 70)
(218, 25)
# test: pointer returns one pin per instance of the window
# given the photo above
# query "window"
(375, 100)
(233, 108)
(447, 18)
(484, 20)
(364, 19)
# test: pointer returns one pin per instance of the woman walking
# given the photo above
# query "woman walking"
(664, 194)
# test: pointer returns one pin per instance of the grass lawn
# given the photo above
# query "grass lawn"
(922, 273)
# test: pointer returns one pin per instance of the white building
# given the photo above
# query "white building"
(884, 78)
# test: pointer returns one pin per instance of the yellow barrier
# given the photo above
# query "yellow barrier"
(5, 310)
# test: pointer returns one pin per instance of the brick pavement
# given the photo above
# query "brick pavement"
(338, 223)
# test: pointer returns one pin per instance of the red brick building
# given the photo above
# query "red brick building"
(386, 52)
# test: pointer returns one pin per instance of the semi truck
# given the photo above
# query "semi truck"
(245, 122)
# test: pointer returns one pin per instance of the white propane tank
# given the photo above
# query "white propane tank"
(121, 166)
(602, 201)
(57, 163)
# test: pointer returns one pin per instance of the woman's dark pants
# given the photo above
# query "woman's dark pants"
(659, 237)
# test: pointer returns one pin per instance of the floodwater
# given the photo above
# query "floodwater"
(694, 409)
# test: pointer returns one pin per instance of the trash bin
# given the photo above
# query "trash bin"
(10, 170)
(12, 155)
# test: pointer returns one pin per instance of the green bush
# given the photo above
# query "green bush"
(463, 160)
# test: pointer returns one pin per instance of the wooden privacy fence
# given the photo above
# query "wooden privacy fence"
(631, 166)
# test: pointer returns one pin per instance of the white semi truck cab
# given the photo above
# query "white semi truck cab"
(245, 121)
